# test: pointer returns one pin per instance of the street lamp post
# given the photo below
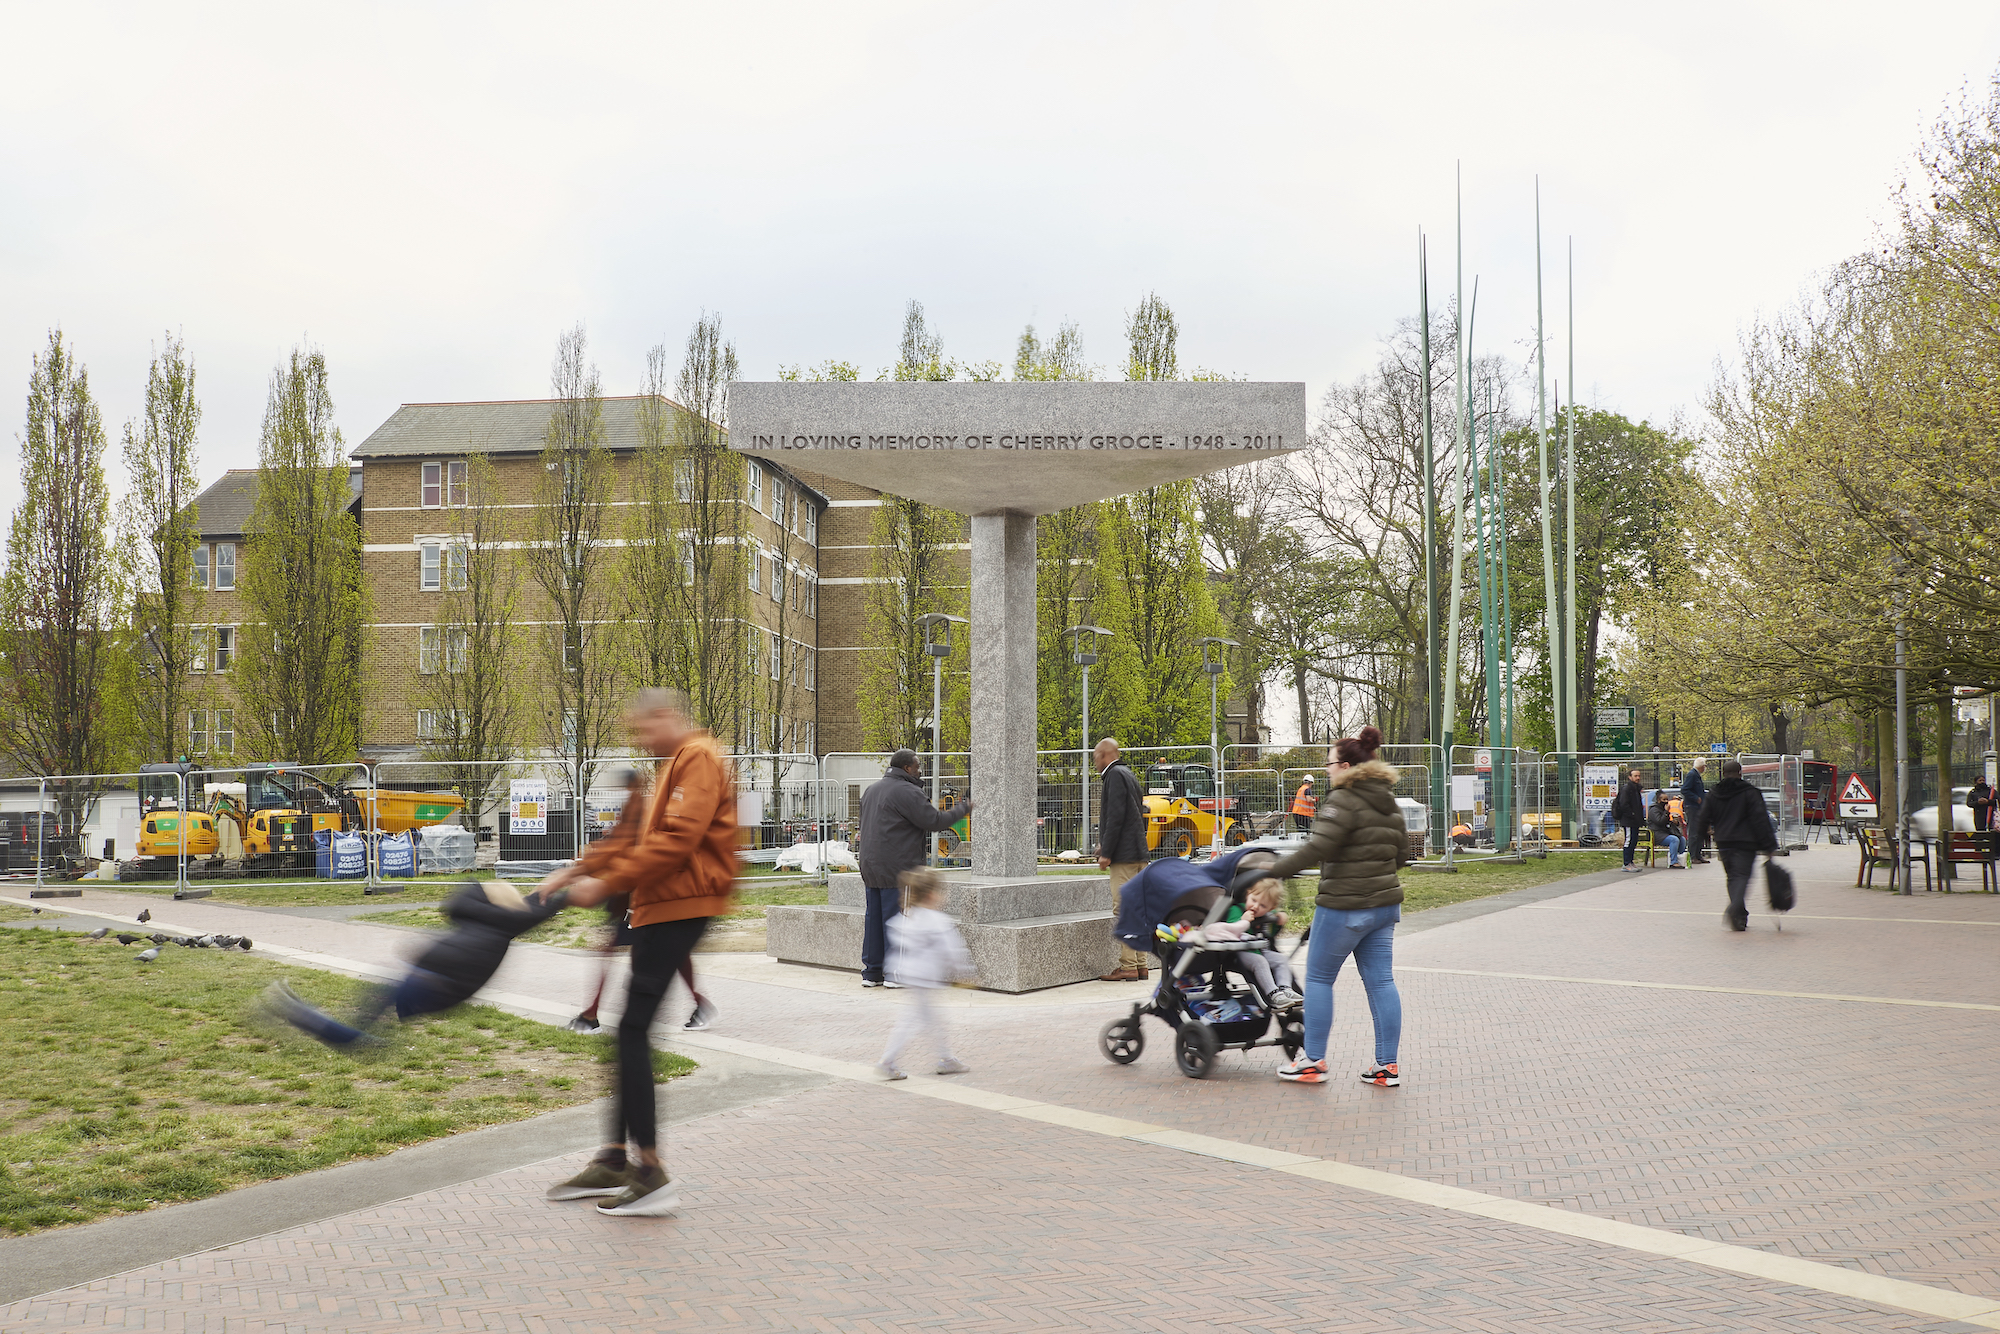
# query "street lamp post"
(939, 650)
(1214, 667)
(1084, 658)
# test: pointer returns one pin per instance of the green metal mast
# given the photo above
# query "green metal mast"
(1569, 516)
(1450, 721)
(1434, 731)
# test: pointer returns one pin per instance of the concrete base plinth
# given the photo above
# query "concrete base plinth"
(1024, 935)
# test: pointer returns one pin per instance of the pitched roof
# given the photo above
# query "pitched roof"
(223, 510)
(515, 427)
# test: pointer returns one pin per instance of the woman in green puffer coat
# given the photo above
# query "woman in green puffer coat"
(1360, 840)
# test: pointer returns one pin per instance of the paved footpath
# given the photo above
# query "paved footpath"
(1619, 1116)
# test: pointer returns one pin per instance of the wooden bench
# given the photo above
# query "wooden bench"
(1961, 849)
(1878, 848)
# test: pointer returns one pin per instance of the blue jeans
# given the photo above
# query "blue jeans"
(882, 905)
(1674, 845)
(1369, 935)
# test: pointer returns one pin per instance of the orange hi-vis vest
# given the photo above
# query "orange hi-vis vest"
(1302, 801)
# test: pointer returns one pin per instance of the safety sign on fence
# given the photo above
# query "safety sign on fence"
(528, 806)
(1600, 785)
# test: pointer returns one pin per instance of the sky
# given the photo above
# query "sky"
(431, 193)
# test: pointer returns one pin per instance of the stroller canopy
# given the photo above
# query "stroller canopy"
(1172, 882)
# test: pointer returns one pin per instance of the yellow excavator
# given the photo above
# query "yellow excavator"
(1182, 808)
(274, 811)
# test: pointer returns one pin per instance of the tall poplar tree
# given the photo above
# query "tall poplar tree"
(298, 674)
(472, 694)
(59, 598)
(158, 525)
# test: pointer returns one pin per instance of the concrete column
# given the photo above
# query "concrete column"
(1004, 711)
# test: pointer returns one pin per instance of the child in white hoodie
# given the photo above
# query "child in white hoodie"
(925, 953)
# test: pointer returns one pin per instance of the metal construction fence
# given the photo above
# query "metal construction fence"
(382, 822)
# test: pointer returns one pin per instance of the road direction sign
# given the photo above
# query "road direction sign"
(1718, 748)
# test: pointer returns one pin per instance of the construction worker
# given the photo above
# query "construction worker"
(1303, 805)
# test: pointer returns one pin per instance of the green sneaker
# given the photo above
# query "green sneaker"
(598, 1181)
(649, 1195)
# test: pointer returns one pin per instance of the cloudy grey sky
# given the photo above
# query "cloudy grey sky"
(432, 192)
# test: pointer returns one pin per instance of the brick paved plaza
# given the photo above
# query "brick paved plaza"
(1618, 1116)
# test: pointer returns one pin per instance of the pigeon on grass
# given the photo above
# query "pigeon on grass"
(124, 939)
(149, 955)
(100, 933)
(145, 915)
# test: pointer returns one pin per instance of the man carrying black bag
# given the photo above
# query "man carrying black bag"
(1735, 813)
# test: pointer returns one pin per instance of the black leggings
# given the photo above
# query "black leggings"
(658, 951)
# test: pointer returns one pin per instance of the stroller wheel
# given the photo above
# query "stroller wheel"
(1122, 1040)
(1292, 1036)
(1194, 1049)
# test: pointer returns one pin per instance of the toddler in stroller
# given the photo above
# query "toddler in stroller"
(1218, 984)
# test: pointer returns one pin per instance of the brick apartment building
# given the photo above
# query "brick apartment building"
(410, 473)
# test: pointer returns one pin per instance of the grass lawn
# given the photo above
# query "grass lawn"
(125, 1085)
(303, 892)
(1472, 880)
(575, 928)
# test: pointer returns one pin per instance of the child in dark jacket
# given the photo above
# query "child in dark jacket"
(485, 918)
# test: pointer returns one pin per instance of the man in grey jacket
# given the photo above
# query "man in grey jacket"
(896, 818)
(1121, 843)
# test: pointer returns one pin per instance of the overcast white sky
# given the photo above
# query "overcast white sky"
(432, 192)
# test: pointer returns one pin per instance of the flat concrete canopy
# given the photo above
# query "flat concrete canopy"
(1031, 448)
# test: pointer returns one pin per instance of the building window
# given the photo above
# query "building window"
(809, 668)
(225, 732)
(441, 724)
(443, 484)
(757, 487)
(684, 480)
(201, 565)
(805, 735)
(197, 731)
(778, 501)
(430, 565)
(809, 521)
(198, 639)
(442, 648)
(433, 486)
(777, 657)
(756, 565)
(225, 565)
(454, 567)
(573, 649)
(225, 646)
(454, 482)
(811, 582)
(777, 579)
(754, 643)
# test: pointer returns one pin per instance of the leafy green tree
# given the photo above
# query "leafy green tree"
(158, 524)
(60, 596)
(298, 673)
(1168, 605)
(473, 693)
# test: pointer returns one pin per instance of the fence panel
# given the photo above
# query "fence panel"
(523, 815)
(844, 775)
(73, 824)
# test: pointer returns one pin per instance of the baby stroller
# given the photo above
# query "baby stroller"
(1206, 994)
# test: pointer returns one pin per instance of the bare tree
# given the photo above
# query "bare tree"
(570, 560)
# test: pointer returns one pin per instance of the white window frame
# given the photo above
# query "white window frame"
(197, 732)
(429, 720)
(777, 657)
(777, 579)
(756, 565)
(777, 489)
(219, 565)
(757, 487)
(809, 663)
(222, 724)
(456, 646)
(199, 576)
(456, 558)
(222, 644)
(199, 640)
(809, 523)
(684, 481)
(456, 483)
(430, 567)
(430, 486)
(756, 654)
(429, 644)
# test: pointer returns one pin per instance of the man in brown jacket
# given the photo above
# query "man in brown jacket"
(674, 853)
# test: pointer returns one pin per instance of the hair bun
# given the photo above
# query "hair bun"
(1370, 739)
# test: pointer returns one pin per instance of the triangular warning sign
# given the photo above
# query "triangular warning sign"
(1856, 790)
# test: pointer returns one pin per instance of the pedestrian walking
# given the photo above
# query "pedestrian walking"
(678, 864)
(1693, 792)
(1302, 805)
(1121, 844)
(1628, 808)
(485, 917)
(926, 954)
(1979, 798)
(1666, 829)
(896, 820)
(1360, 840)
(1735, 812)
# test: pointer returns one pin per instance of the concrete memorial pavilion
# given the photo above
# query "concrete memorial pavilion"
(1001, 454)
